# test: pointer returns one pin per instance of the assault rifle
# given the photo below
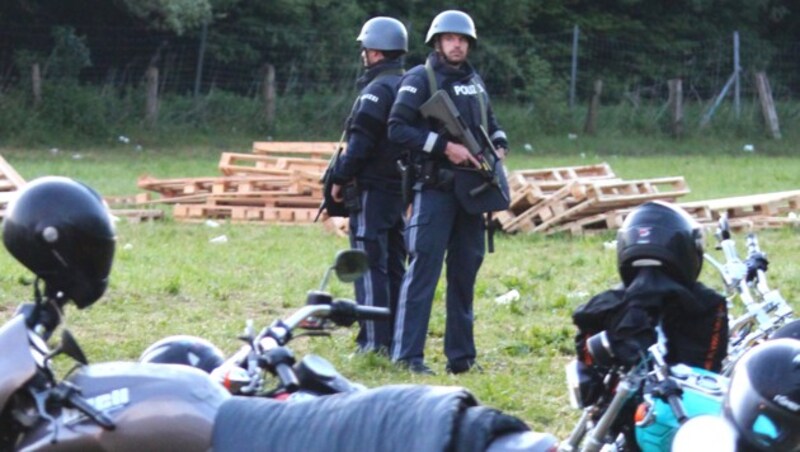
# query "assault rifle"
(335, 209)
(441, 108)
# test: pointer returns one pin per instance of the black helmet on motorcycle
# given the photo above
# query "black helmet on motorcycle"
(187, 350)
(452, 21)
(61, 230)
(384, 33)
(763, 401)
(660, 234)
(790, 330)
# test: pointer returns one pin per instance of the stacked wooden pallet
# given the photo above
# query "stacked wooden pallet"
(579, 198)
(10, 182)
(278, 183)
(766, 210)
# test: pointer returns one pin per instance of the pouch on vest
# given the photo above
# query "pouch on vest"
(477, 195)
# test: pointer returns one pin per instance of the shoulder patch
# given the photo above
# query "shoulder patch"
(370, 97)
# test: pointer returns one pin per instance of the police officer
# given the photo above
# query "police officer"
(367, 180)
(439, 223)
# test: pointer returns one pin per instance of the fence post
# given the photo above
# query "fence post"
(269, 94)
(736, 91)
(594, 105)
(198, 78)
(675, 104)
(36, 84)
(767, 105)
(151, 108)
(574, 71)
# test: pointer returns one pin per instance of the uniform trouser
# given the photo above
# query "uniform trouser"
(378, 230)
(439, 225)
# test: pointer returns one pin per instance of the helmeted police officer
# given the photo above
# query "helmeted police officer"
(366, 177)
(439, 223)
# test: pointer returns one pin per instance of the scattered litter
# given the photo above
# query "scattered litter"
(610, 245)
(128, 246)
(528, 147)
(212, 224)
(583, 155)
(508, 297)
(77, 156)
(54, 151)
(124, 139)
(572, 136)
(219, 239)
(749, 148)
(138, 147)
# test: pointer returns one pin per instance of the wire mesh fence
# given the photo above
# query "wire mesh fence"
(525, 69)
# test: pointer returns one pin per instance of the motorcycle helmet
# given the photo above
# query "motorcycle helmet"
(660, 234)
(61, 230)
(763, 401)
(452, 21)
(187, 350)
(790, 330)
(384, 33)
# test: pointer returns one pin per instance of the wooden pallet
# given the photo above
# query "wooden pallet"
(544, 210)
(528, 187)
(10, 180)
(276, 215)
(568, 173)
(312, 149)
(762, 205)
(597, 223)
(232, 163)
(185, 188)
(139, 215)
(602, 196)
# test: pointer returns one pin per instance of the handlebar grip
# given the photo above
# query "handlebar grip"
(373, 313)
(677, 408)
(287, 377)
(345, 312)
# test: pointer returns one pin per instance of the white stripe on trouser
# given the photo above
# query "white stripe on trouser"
(369, 299)
(400, 318)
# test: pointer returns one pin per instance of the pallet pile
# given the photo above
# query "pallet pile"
(579, 199)
(10, 182)
(279, 182)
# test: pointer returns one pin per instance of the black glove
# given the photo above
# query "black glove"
(754, 263)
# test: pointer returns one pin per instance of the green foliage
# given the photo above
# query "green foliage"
(177, 16)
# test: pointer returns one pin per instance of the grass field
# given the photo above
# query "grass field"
(168, 278)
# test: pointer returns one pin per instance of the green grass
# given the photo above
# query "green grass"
(168, 279)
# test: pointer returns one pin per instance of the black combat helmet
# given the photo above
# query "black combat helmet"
(384, 33)
(452, 21)
(763, 401)
(186, 350)
(660, 234)
(61, 230)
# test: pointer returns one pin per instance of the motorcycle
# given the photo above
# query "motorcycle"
(109, 406)
(645, 404)
(766, 309)
(247, 371)
(133, 406)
